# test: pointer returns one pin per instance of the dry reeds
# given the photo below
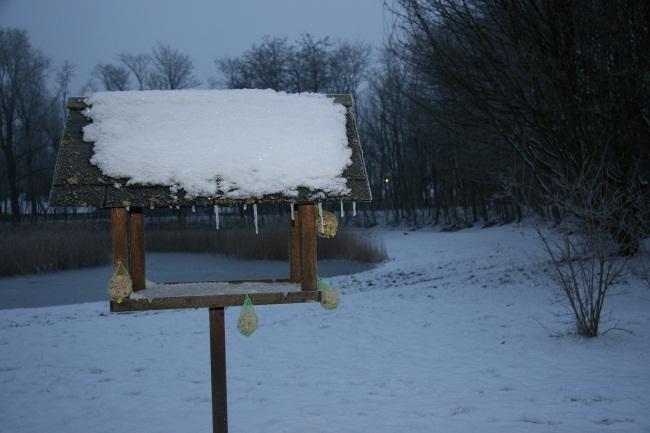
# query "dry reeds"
(57, 247)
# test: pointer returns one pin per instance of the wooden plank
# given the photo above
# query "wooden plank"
(294, 249)
(261, 280)
(119, 237)
(214, 301)
(308, 269)
(136, 247)
(218, 371)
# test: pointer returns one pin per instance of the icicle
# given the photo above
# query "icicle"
(354, 208)
(193, 208)
(320, 212)
(216, 216)
(342, 211)
(292, 215)
(255, 216)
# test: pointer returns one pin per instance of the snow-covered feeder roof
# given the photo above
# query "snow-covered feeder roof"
(202, 147)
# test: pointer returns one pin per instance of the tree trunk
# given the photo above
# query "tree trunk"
(12, 181)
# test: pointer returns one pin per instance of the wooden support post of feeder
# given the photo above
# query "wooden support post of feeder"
(308, 271)
(119, 236)
(294, 249)
(136, 247)
(218, 371)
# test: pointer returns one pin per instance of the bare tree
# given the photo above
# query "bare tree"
(171, 69)
(235, 72)
(63, 78)
(23, 72)
(309, 64)
(112, 77)
(348, 63)
(263, 66)
(138, 65)
(585, 257)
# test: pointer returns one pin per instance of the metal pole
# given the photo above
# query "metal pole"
(218, 371)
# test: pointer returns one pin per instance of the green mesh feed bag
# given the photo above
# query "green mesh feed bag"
(329, 298)
(327, 226)
(120, 286)
(247, 323)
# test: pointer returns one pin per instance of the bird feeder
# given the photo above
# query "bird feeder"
(80, 180)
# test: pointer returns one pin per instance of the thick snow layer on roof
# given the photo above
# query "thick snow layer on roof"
(231, 143)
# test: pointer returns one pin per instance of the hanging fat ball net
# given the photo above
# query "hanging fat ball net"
(120, 286)
(326, 223)
(329, 298)
(247, 323)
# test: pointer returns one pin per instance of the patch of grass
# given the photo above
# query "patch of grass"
(58, 247)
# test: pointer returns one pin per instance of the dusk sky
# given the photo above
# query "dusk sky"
(92, 31)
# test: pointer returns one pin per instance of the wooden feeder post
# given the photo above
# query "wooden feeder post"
(119, 236)
(308, 271)
(136, 247)
(294, 249)
(218, 371)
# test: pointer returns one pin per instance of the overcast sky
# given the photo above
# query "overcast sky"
(87, 32)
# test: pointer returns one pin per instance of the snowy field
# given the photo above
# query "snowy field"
(457, 333)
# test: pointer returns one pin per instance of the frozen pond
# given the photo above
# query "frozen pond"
(89, 285)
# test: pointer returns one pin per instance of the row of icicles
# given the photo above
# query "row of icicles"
(322, 215)
(292, 206)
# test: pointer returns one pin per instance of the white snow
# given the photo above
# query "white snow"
(235, 143)
(205, 288)
(457, 333)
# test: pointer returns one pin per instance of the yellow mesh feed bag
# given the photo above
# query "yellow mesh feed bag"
(120, 286)
(329, 298)
(247, 323)
(329, 226)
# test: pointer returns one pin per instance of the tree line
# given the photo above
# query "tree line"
(31, 119)
(472, 111)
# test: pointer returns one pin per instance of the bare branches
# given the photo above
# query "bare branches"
(112, 77)
(27, 113)
(138, 66)
(308, 65)
(563, 84)
(171, 69)
(164, 69)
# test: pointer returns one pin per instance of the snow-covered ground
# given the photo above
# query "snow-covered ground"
(458, 332)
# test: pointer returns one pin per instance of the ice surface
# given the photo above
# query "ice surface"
(231, 143)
